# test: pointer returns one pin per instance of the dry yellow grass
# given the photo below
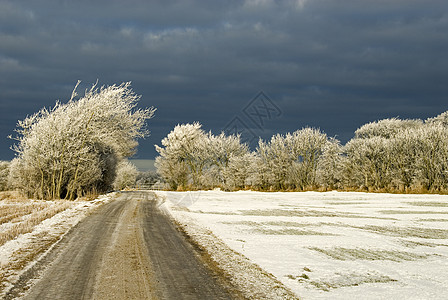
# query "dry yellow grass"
(19, 216)
(12, 195)
(13, 212)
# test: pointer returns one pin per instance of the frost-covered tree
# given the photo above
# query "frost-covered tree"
(432, 153)
(432, 157)
(331, 165)
(392, 154)
(386, 128)
(221, 151)
(239, 171)
(275, 160)
(126, 175)
(369, 162)
(4, 172)
(292, 159)
(404, 151)
(182, 156)
(263, 176)
(74, 148)
(441, 119)
(309, 145)
(389, 154)
(173, 172)
(191, 158)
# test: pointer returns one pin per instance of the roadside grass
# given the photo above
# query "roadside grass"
(341, 253)
(12, 212)
(20, 217)
(12, 195)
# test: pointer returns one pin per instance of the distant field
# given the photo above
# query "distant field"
(332, 245)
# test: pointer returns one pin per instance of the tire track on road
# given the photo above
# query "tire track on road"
(179, 272)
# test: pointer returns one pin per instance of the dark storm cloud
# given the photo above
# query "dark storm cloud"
(328, 64)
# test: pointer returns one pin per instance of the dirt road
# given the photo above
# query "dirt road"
(128, 249)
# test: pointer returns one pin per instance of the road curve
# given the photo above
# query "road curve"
(127, 249)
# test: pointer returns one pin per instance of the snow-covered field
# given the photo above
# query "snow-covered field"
(29, 228)
(332, 245)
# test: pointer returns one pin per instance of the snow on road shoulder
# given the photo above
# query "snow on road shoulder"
(332, 245)
(19, 254)
(247, 280)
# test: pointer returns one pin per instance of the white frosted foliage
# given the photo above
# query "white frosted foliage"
(74, 148)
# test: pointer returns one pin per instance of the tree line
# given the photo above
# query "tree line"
(82, 147)
(391, 155)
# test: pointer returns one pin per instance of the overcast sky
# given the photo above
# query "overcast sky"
(332, 64)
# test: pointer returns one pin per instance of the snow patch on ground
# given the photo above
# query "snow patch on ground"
(332, 245)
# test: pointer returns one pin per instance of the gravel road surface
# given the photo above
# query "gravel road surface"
(127, 249)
